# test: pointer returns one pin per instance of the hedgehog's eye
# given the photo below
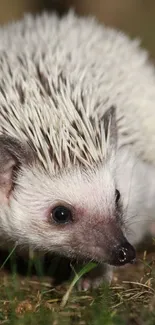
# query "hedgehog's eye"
(117, 196)
(61, 215)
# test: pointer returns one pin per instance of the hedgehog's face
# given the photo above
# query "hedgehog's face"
(77, 214)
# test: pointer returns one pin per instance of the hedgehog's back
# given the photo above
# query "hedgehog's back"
(58, 77)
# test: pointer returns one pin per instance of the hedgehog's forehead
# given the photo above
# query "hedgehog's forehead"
(87, 187)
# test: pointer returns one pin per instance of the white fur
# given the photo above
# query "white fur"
(136, 181)
(36, 193)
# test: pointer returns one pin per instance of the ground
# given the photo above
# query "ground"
(33, 300)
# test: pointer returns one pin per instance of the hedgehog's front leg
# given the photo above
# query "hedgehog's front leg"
(93, 279)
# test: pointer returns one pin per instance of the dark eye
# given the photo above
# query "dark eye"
(61, 215)
(117, 196)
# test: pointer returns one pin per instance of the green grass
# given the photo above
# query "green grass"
(26, 300)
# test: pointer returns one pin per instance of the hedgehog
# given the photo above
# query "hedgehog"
(77, 140)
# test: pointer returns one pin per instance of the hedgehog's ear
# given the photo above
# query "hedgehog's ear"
(110, 129)
(12, 155)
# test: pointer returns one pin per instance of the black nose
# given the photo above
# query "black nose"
(123, 254)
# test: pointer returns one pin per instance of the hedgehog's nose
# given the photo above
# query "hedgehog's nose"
(123, 254)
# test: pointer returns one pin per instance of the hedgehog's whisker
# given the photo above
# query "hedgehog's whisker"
(146, 217)
(126, 209)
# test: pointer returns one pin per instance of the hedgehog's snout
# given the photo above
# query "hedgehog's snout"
(123, 254)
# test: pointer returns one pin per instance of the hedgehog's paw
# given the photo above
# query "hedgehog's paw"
(93, 279)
